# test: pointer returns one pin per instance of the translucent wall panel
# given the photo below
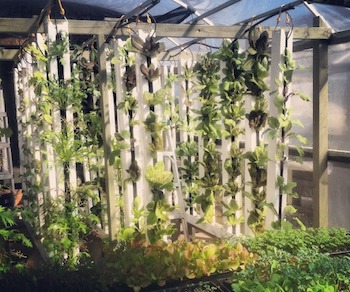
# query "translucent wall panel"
(339, 195)
(302, 82)
(339, 95)
(338, 189)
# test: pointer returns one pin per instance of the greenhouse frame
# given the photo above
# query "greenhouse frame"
(111, 105)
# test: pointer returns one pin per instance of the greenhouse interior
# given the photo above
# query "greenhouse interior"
(174, 145)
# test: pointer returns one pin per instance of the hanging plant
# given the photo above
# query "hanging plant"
(208, 118)
(257, 65)
(281, 128)
(149, 47)
(257, 164)
(232, 91)
(156, 129)
(68, 219)
(188, 149)
(151, 73)
(158, 224)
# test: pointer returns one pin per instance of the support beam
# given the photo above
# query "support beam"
(214, 10)
(320, 131)
(107, 120)
(93, 27)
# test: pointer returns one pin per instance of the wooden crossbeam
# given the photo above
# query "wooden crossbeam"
(92, 27)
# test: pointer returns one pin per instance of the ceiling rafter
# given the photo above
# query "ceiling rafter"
(266, 14)
(214, 10)
(195, 20)
(138, 11)
(314, 11)
(272, 12)
(181, 3)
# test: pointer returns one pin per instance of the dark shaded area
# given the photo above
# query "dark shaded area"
(7, 77)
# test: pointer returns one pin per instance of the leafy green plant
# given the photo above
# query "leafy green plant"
(257, 69)
(187, 150)
(8, 233)
(70, 218)
(258, 174)
(307, 271)
(158, 224)
(292, 240)
(296, 260)
(208, 126)
(66, 226)
(281, 128)
(232, 90)
(209, 182)
(156, 129)
(141, 264)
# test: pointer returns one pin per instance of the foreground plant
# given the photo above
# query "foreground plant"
(9, 233)
(297, 260)
(140, 264)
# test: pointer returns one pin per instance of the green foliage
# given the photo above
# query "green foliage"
(141, 264)
(66, 147)
(293, 240)
(156, 128)
(296, 260)
(307, 271)
(159, 178)
(52, 277)
(209, 182)
(68, 219)
(187, 151)
(281, 126)
(209, 114)
(157, 219)
(67, 224)
(8, 233)
(258, 174)
(257, 63)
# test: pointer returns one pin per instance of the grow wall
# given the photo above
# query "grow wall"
(114, 135)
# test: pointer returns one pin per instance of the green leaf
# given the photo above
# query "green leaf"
(251, 51)
(152, 219)
(273, 122)
(289, 209)
(304, 96)
(303, 140)
(279, 101)
(280, 181)
(158, 177)
(278, 82)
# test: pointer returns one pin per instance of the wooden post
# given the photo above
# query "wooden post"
(107, 120)
(320, 130)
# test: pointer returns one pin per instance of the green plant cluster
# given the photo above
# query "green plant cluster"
(297, 260)
(67, 218)
(208, 127)
(232, 91)
(10, 258)
(139, 264)
(324, 240)
(187, 150)
(257, 65)
(244, 73)
(281, 129)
